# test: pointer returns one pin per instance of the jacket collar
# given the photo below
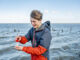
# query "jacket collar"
(43, 26)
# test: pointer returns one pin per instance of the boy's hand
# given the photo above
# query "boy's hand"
(18, 48)
(18, 39)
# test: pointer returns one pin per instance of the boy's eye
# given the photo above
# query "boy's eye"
(33, 21)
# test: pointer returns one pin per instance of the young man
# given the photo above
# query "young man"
(40, 37)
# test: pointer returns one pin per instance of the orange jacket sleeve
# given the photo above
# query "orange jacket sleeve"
(36, 51)
(23, 40)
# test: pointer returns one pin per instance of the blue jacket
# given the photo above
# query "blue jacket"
(41, 36)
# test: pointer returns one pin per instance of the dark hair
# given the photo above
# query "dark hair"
(36, 15)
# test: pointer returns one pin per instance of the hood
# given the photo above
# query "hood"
(44, 25)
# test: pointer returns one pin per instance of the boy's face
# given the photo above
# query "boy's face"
(35, 23)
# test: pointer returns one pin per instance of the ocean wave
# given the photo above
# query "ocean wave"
(20, 58)
(8, 36)
(7, 50)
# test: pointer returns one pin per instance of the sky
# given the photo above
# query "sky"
(56, 11)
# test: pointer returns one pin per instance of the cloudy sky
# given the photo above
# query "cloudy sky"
(57, 11)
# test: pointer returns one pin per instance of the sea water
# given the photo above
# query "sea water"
(65, 43)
